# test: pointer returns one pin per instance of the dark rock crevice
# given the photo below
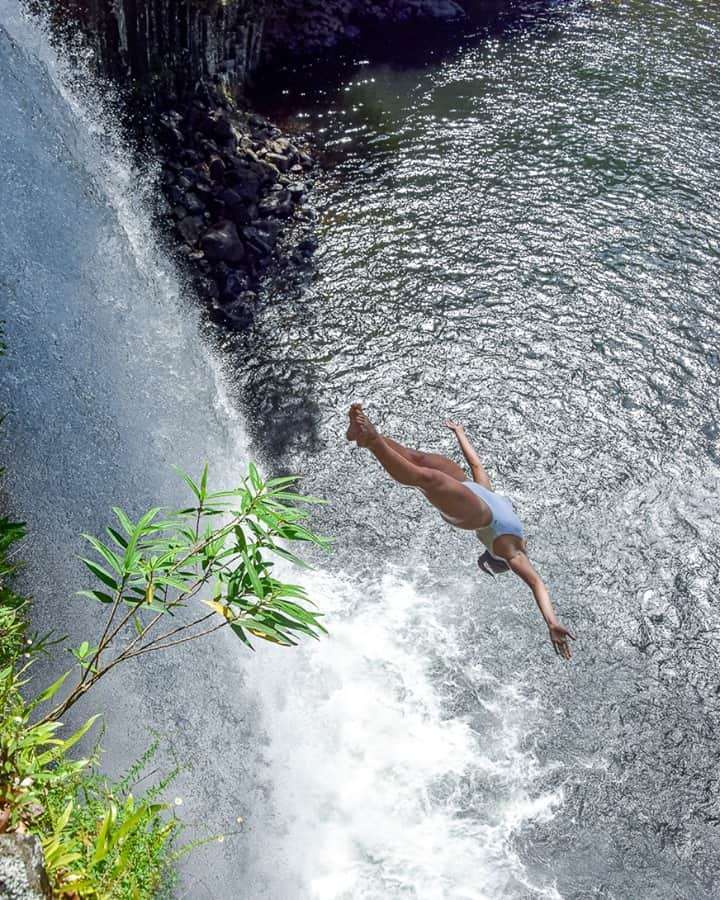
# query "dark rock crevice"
(168, 43)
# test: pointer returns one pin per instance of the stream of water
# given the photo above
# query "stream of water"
(524, 235)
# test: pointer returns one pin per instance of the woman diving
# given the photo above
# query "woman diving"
(464, 503)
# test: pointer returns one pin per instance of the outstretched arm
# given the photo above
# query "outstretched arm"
(521, 565)
(473, 460)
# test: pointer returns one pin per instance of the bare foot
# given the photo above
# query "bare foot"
(354, 432)
(361, 428)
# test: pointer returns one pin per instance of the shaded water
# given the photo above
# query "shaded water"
(523, 236)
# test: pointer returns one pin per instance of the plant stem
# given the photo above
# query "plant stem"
(190, 637)
(163, 637)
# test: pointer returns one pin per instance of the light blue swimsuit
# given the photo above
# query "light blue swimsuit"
(504, 520)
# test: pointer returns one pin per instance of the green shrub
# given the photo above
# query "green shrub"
(159, 576)
(99, 840)
(121, 844)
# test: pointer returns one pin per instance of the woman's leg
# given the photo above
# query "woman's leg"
(429, 460)
(444, 491)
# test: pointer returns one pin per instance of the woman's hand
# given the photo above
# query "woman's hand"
(559, 636)
(453, 427)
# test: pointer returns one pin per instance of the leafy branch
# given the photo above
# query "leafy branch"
(215, 558)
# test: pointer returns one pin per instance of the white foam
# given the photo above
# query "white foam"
(375, 777)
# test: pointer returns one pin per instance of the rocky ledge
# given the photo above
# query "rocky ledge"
(22, 868)
(233, 182)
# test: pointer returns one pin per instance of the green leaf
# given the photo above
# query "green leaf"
(234, 586)
(203, 482)
(49, 691)
(131, 823)
(100, 573)
(96, 595)
(117, 537)
(290, 557)
(10, 600)
(145, 520)
(137, 532)
(298, 612)
(37, 735)
(110, 558)
(188, 480)
(297, 498)
(137, 602)
(276, 619)
(286, 513)
(269, 518)
(102, 844)
(61, 860)
(123, 519)
(241, 634)
(177, 583)
(258, 530)
(64, 818)
(293, 590)
(164, 525)
(267, 633)
(296, 533)
(240, 537)
(64, 746)
(10, 532)
(277, 482)
(6, 674)
(253, 575)
(255, 479)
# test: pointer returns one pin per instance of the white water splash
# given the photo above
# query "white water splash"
(374, 776)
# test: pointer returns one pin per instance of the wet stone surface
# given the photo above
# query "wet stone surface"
(234, 185)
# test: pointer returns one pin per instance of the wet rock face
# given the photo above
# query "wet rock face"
(180, 42)
(303, 26)
(233, 183)
(175, 41)
(22, 868)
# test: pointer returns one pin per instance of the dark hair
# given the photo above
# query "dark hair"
(490, 565)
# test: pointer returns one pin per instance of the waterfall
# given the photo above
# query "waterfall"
(107, 384)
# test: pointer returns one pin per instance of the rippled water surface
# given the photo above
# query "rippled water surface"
(524, 236)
